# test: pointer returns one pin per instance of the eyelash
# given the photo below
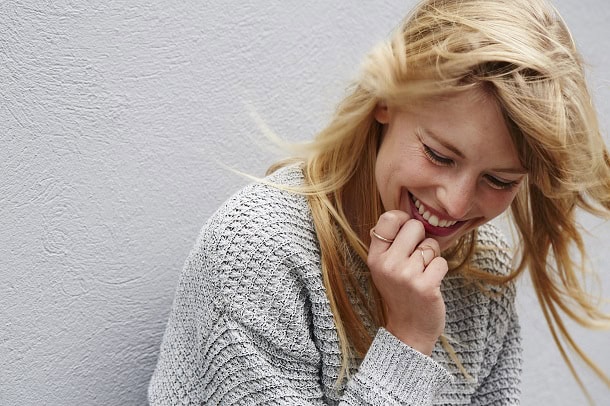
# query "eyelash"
(436, 158)
(440, 160)
(499, 184)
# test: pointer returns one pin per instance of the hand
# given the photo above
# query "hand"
(407, 271)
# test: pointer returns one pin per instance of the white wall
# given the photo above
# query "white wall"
(114, 118)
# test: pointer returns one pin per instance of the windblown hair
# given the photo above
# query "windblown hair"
(522, 54)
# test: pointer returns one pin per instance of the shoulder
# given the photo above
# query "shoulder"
(263, 236)
(262, 222)
(256, 262)
(493, 254)
(489, 234)
(260, 211)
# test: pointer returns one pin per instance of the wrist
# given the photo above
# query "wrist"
(419, 342)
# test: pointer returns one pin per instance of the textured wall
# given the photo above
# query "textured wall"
(114, 121)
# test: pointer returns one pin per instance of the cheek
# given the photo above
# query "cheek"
(383, 176)
(497, 202)
(387, 166)
(381, 173)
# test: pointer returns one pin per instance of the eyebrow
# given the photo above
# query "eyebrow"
(456, 151)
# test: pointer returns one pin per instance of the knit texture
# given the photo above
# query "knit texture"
(251, 323)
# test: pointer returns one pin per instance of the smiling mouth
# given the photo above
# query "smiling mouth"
(432, 223)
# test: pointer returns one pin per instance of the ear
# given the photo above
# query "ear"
(382, 115)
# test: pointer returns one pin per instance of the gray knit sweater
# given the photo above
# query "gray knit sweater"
(251, 323)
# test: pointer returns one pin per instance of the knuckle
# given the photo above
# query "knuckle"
(429, 293)
(435, 295)
(440, 263)
(372, 261)
(415, 226)
(391, 216)
(408, 279)
(432, 243)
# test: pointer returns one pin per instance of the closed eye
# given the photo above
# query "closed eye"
(500, 184)
(437, 158)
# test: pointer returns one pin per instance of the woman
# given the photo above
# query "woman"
(365, 272)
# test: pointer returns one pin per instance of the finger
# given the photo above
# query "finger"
(387, 226)
(430, 249)
(435, 271)
(431, 243)
(374, 234)
(408, 238)
(422, 255)
(425, 255)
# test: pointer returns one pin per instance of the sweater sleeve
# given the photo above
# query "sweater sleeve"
(393, 373)
(241, 328)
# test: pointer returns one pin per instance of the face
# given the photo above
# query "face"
(449, 163)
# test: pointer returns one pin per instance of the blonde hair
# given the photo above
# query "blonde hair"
(521, 53)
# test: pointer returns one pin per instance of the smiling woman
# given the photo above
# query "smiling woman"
(462, 170)
(364, 271)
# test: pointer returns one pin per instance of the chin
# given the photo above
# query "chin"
(447, 242)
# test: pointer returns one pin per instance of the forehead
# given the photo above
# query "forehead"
(473, 108)
(475, 95)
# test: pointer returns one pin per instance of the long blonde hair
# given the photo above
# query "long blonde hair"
(522, 53)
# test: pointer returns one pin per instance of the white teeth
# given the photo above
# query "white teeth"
(431, 218)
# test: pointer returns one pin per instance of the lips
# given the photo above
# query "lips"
(433, 223)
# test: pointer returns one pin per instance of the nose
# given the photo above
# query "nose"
(457, 196)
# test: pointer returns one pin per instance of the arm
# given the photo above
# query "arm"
(236, 367)
(243, 327)
(393, 373)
